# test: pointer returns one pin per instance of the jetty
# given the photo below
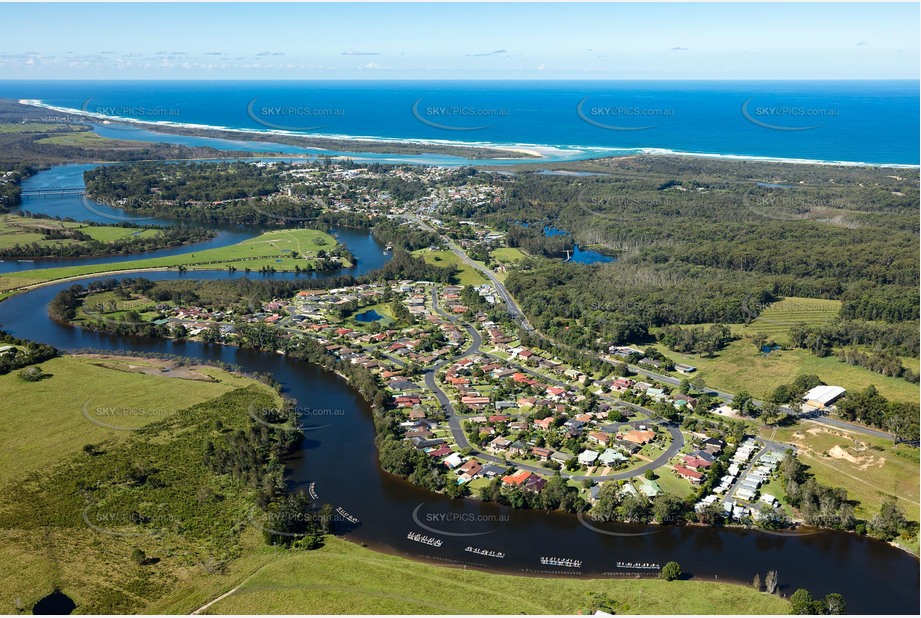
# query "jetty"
(349, 518)
(650, 566)
(561, 562)
(421, 538)
(485, 552)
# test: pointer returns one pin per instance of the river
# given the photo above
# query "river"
(338, 459)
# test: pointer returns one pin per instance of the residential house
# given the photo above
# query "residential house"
(470, 470)
(650, 488)
(499, 444)
(696, 463)
(693, 476)
(610, 457)
(453, 461)
(639, 436)
(598, 436)
(492, 471)
(560, 457)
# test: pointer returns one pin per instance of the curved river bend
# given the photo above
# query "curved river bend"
(338, 460)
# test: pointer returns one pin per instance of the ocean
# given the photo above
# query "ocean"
(858, 122)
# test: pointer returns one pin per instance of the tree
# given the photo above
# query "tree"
(770, 413)
(650, 475)
(743, 403)
(835, 603)
(138, 556)
(781, 394)
(712, 515)
(671, 571)
(684, 387)
(668, 509)
(756, 583)
(770, 582)
(801, 602)
(890, 521)
(31, 374)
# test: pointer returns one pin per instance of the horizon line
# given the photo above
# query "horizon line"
(484, 79)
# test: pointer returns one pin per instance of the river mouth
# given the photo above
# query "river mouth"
(56, 603)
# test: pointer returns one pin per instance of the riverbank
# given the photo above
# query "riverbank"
(342, 577)
(326, 578)
(88, 398)
(280, 251)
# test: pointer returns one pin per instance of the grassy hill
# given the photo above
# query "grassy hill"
(50, 420)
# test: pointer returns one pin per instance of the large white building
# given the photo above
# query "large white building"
(821, 396)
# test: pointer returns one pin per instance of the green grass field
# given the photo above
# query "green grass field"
(776, 320)
(44, 422)
(24, 230)
(45, 542)
(191, 521)
(342, 577)
(271, 249)
(467, 275)
(38, 127)
(83, 138)
(508, 255)
(100, 304)
(741, 366)
(867, 467)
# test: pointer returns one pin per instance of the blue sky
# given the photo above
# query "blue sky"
(461, 41)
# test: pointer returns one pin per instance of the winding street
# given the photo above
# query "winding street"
(460, 437)
(515, 311)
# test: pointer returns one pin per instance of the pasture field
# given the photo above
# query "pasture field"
(342, 577)
(282, 250)
(57, 413)
(741, 366)
(467, 275)
(16, 230)
(869, 468)
(776, 320)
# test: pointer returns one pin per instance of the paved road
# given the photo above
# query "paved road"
(460, 437)
(519, 316)
(834, 422)
(513, 309)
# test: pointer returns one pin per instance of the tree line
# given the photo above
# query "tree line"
(85, 245)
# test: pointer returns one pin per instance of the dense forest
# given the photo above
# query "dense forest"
(707, 241)
(405, 236)
(233, 192)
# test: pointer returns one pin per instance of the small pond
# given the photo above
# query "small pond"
(369, 316)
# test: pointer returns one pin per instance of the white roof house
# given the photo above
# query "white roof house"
(453, 460)
(745, 494)
(823, 395)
